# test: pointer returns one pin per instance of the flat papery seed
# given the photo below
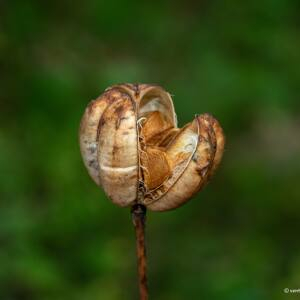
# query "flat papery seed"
(184, 145)
(88, 131)
(155, 167)
(193, 178)
(179, 154)
(118, 152)
(167, 137)
(153, 125)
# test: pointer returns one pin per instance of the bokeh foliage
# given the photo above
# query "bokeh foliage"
(60, 238)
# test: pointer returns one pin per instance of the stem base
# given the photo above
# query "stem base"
(138, 213)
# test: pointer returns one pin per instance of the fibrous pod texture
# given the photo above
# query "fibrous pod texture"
(132, 147)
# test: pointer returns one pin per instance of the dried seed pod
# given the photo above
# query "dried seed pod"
(132, 147)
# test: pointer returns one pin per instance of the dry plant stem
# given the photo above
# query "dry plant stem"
(138, 212)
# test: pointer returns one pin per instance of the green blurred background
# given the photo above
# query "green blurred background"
(60, 238)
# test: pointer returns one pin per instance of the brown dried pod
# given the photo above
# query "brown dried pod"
(132, 148)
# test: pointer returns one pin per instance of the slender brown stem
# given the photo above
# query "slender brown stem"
(138, 213)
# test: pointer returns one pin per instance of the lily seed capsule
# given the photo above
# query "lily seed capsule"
(132, 147)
